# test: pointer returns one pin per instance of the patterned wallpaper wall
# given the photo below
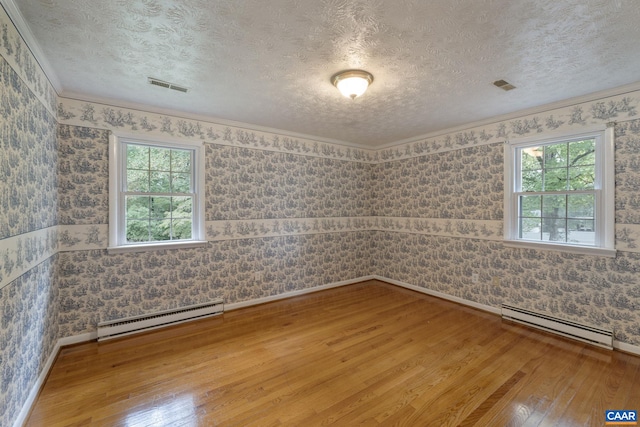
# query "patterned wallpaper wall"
(29, 297)
(97, 286)
(275, 194)
(282, 214)
(464, 186)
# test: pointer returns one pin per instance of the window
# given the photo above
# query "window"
(559, 192)
(155, 194)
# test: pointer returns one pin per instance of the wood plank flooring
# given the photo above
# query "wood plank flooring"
(366, 354)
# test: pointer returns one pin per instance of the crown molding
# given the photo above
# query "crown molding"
(209, 119)
(620, 90)
(27, 36)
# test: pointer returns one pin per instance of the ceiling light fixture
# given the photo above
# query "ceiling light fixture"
(352, 83)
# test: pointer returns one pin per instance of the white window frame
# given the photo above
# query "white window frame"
(117, 180)
(604, 189)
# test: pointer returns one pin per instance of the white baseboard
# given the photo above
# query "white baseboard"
(33, 394)
(627, 348)
(441, 295)
(257, 301)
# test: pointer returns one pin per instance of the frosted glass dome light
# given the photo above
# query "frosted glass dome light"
(352, 83)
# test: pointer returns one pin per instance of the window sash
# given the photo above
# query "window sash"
(603, 191)
(118, 168)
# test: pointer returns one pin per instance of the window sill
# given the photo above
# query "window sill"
(156, 246)
(583, 250)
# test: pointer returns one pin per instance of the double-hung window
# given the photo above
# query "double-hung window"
(156, 194)
(559, 192)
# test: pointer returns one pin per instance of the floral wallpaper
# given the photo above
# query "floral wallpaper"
(28, 148)
(29, 309)
(255, 184)
(604, 292)
(457, 184)
(96, 286)
(83, 174)
(29, 298)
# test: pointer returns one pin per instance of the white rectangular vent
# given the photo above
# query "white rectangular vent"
(567, 328)
(167, 85)
(131, 325)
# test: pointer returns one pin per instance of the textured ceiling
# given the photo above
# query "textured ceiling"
(269, 63)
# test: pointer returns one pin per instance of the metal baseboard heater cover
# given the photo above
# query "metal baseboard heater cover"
(585, 333)
(135, 324)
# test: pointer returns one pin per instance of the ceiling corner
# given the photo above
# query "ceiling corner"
(25, 32)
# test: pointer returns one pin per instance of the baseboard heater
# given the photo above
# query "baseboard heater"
(566, 328)
(131, 325)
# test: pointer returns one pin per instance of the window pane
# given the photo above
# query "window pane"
(582, 178)
(160, 182)
(160, 159)
(137, 207)
(555, 156)
(555, 179)
(554, 229)
(182, 229)
(530, 206)
(160, 207)
(530, 228)
(581, 232)
(554, 206)
(137, 180)
(181, 182)
(531, 158)
(582, 152)
(160, 230)
(581, 206)
(532, 180)
(181, 160)
(137, 157)
(137, 230)
(182, 207)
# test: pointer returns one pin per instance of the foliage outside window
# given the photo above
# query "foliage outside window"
(155, 194)
(559, 192)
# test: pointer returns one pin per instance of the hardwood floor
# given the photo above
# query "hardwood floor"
(370, 353)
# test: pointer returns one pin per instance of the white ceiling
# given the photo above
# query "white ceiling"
(269, 63)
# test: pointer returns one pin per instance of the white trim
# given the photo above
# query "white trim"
(44, 373)
(627, 348)
(575, 249)
(25, 32)
(35, 389)
(605, 184)
(116, 203)
(47, 238)
(258, 301)
(156, 246)
(137, 138)
(440, 295)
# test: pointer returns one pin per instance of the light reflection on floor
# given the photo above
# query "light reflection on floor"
(173, 411)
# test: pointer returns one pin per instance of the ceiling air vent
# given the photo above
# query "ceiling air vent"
(504, 85)
(167, 85)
